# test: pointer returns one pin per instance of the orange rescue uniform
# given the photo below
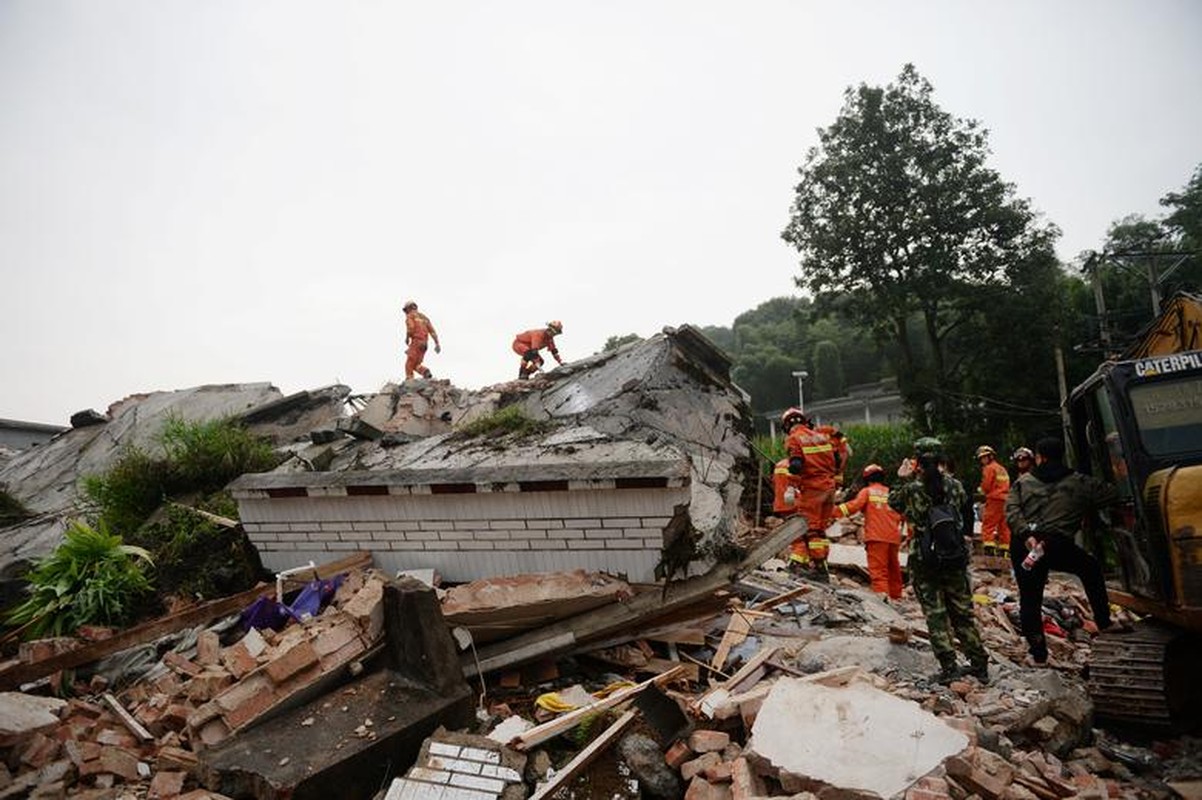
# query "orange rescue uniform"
(995, 485)
(882, 537)
(418, 330)
(816, 489)
(529, 343)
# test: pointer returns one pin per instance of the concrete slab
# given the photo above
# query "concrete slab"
(808, 730)
(23, 715)
(338, 754)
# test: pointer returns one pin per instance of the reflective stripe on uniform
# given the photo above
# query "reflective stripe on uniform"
(816, 448)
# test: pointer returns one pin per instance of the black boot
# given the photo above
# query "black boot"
(946, 674)
(980, 672)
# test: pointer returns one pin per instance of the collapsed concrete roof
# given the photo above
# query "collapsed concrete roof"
(657, 413)
(662, 412)
(46, 479)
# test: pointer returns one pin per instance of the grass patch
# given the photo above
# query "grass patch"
(198, 458)
(510, 420)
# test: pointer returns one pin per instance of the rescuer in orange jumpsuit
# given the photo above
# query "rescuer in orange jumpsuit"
(418, 331)
(882, 531)
(529, 343)
(995, 485)
(842, 450)
(811, 459)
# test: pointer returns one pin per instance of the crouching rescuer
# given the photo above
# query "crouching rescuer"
(804, 483)
(528, 343)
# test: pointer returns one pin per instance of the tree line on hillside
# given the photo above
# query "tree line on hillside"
(919, 262)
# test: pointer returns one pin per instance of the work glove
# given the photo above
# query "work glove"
(795, 464)
(437, 347)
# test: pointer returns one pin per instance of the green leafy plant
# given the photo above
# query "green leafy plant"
(93, 577)
(508, 420)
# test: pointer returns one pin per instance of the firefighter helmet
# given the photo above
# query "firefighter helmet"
(409, 305)
(985, 450)
(871, 468)
(555, 326)
(1023, 452)
(791, 417)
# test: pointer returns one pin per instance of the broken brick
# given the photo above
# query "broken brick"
(706, 741)
(701, 789)
(166, 785)
(208, 648)
(250, 708)
(292, 661)
(180, 664)
(719, 773)
(698, 765)
(366, 608)
(677, 754)
(238, 660)
(114, 738)
(207, 684)
(973, 779)
(744, 783)
(40, 750)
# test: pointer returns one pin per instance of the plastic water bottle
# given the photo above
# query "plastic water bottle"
(1033, 555)
(790, 495)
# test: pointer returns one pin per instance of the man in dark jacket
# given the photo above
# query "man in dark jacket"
(1045, 509)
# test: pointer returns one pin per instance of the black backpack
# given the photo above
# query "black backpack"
(942, 543)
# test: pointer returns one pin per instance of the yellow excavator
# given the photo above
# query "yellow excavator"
(1137, 421)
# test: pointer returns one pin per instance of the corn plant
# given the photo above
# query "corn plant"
(91, 578)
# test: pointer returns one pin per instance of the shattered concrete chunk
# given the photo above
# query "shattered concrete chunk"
(807, 730)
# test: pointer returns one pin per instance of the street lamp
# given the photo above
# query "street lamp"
(801, 375)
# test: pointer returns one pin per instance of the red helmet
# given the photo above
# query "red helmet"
(793, 416)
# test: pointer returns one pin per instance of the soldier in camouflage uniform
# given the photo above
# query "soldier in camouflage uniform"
(942, 589)
(1046, 507)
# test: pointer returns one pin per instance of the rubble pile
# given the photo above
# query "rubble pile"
(195, 696)
(782, 691)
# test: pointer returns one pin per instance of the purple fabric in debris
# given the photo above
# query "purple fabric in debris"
(267, 613)
(315, 596)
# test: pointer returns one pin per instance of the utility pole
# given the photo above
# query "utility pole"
(801, 375)
(1094, 266)
(1062, 381)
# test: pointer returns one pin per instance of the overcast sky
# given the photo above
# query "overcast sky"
(228, 191)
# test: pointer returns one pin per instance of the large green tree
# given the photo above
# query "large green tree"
(904, 229)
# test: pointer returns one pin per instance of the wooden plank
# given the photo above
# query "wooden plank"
(736, 633)
(607, 620)
(565, 722)
(658, 666)
(147, 632)
(781, 599)
(127, 719)
(694, 637)
(582, 759)
(733, 683)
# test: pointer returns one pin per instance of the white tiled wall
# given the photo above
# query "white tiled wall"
(469, 536)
